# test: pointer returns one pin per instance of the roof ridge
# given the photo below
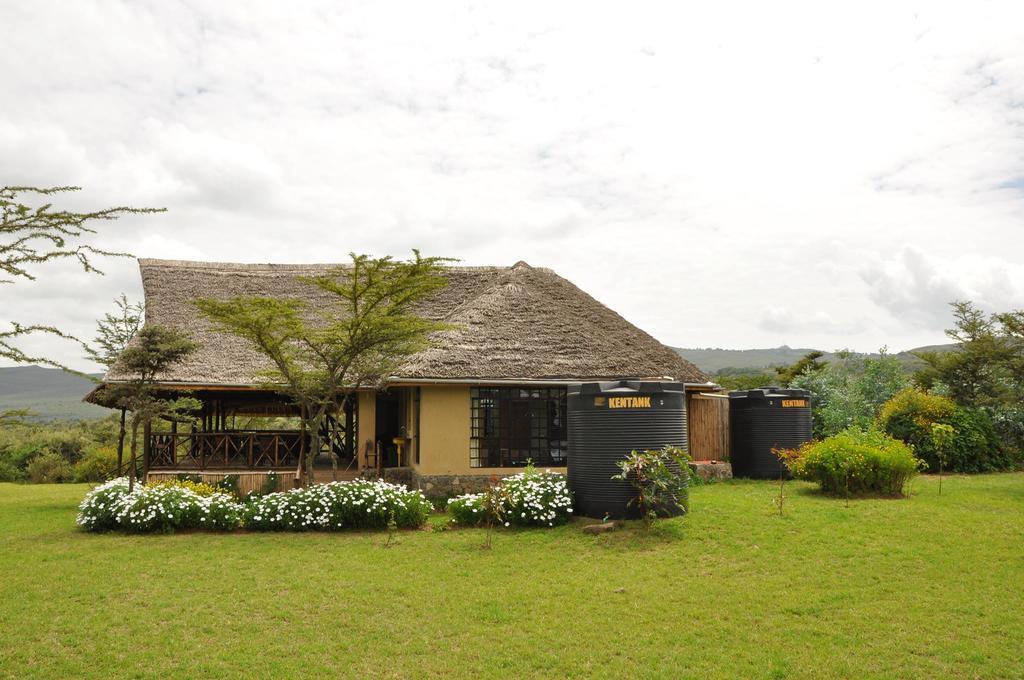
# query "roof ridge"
(284, 266)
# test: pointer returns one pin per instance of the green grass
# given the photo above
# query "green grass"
(926, 587)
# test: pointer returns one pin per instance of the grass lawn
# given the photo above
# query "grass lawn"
(924, 587)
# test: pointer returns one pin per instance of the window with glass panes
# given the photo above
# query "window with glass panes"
(513, 425)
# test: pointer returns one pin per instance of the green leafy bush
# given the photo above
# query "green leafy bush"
(97, 465)
(9, 472)
(49, 468)
(357, 504)
(531, 498)
(975, 447)
(229, 485)
(661, 480)
(857, 462)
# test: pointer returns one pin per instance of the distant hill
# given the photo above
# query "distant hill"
(713, 360)
(51, 394)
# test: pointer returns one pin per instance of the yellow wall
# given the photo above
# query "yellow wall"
(366, 423)
(445, 432)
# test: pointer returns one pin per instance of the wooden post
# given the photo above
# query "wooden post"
(174, 442)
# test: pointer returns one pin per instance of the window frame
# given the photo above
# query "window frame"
(500, 435)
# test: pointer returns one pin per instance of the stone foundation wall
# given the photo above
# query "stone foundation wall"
(402, 475)
(434, 487)
(444, 486)
(709, 471)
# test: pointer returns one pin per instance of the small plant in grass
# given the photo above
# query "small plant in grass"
(392, 528)
(786, 457)
(493, 506)
(660, 478)
(942, 437)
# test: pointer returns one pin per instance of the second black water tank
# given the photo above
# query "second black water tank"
(607, 420)
(764, 419)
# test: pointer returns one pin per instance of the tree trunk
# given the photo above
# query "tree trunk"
(334, 454)
(314, 449)
(134, 451)
(147, 431)
(120, 446)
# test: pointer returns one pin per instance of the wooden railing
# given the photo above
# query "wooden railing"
(252, 450)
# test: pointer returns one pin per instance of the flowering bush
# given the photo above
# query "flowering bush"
(857, 462)
(99, 509)
(162, 508)
(199, 488)
(182, 504)
(467, 509)
(530, 498)
(357, 504)
(157, 507)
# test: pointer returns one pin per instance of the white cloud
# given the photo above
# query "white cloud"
(723, 176)
(917, 288)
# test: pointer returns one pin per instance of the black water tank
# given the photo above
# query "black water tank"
(764, 419)
(607, 420)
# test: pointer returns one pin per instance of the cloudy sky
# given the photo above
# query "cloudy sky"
(746, 175)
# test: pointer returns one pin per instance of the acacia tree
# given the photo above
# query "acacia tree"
(321, 359)
(35, 235)
(157, 349)
(113, 333)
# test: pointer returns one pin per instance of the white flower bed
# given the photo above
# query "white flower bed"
(156, 508)
(99, 509)
(530, 498)
(357, 504)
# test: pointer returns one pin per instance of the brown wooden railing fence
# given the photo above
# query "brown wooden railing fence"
(252, 450)
(708, 424)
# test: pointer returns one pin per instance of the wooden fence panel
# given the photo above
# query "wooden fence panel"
(709, 427)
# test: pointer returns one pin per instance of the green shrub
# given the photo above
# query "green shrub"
(9, 472)
(531, 498)
(97, 465)
(229, 485)
(198, 488)
(49, 468)
(660, 478)
(975, 447)
(358, 504)
(857, 462)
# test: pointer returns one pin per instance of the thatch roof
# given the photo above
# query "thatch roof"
(514, 323)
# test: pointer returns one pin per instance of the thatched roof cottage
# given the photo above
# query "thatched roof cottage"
(487, 397)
